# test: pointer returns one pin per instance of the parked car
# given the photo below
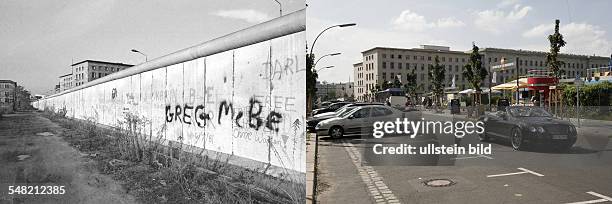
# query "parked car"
(314, 120)
(359, 120)
(331, 108)
(524, 125)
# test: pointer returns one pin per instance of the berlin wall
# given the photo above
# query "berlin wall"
(241, 95)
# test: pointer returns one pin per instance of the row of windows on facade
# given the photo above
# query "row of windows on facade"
(521, 63)
(6, 100)
(100, 68)
(414, 57)
(450, 59)
(7, 86)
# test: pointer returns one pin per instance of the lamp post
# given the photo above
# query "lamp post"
(319, 35)
(318, 70)
(136, 51)
(316, 149)
(280, 7)
(332, 54)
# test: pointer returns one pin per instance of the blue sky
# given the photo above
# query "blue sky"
(40, 39)
(407, 24)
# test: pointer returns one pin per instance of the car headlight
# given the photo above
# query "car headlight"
(318, 126)
(540, 129)
(532, 129)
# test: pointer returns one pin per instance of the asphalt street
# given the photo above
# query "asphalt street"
(537, 175)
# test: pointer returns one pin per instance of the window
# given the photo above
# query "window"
(362, 113)
(384, 65)
(399, 65)
(399, 56)
(380, 111)
(392, 65)
(392, 56)
(428, 58)
(384, 56)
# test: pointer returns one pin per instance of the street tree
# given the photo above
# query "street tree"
(311, 80)
(475, 73)
(436, 77)
(411, 87)
(556, 42)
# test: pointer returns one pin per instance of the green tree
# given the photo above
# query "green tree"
(475, 73)
(411, 87)
(556, 42)
(311, 81)
(436, 76)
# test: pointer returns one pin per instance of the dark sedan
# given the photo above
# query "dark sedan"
(529, 125)
(331, 108)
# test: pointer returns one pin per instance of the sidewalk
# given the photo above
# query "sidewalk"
(310, 144)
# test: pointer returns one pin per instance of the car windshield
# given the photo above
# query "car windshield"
(528, 112)
(341, 110)
(347, 111)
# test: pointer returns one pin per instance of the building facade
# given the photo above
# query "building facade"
(89, 70)
(65, 82)
(381, 64)
(333, 91)
(7, 96)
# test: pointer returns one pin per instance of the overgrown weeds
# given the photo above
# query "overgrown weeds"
(158, 171)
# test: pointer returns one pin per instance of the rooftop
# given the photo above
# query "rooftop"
(102, 62)
(7, 81)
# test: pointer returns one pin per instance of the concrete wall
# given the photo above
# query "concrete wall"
(241, 95)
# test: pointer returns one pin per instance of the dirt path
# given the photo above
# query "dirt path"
(52, 162)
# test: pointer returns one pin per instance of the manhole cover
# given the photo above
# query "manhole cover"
(439, 182)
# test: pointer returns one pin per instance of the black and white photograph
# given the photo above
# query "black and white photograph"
(152, 101)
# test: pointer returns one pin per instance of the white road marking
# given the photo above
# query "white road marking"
(603, 199)
(531, 172)
(379, 191)
(473, 157)
(523, 171)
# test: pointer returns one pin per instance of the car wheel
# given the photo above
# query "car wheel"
(336, 132)
(517, 139)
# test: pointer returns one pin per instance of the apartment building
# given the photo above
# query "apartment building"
(382, 64)
(89, 70)
(7, 96)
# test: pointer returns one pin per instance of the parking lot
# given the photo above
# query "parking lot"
(536, 175)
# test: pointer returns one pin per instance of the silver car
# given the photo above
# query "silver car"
(359, 120)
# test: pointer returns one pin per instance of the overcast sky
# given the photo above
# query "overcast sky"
(515, 24)
(40, 39)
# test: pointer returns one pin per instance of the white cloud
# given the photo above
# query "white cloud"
(496, 21)
(539, 31)
(408, 20)
(581, 38)
(248, 15)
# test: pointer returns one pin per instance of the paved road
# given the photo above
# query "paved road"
(506, 176)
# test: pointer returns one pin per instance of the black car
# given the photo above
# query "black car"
(330, 108)
(524, 125)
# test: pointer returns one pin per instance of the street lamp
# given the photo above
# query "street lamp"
(332, 54)
(340, 25)
(280, 7)
(316, 147)
(136, 51)
(324, 68)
